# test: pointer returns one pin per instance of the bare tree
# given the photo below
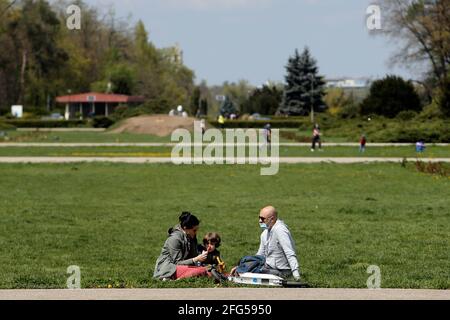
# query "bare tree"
(423, 27)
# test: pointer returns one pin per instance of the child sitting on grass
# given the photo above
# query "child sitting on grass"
(211, 242)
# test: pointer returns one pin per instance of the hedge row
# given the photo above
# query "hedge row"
(258, 124)
(46, 123)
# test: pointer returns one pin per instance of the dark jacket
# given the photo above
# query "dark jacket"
(212, 257)
(178, 249)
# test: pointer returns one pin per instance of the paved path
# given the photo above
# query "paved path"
(154, 160)
(226, 294)
(171, 144)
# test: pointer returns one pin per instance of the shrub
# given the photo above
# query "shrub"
(4, 126)
(407, 115)
(46, 123)
(430, 112)
(276, 124)
(102, 122)
(432, 168)
(389, 96)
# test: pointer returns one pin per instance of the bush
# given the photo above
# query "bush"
(157, 106)
(434, 132)
(407, 115)
(46, 123)
(259, 124)
(430, 112)
(389, 96)
(102, 122)
(5, 127)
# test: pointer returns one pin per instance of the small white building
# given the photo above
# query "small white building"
(348, 83)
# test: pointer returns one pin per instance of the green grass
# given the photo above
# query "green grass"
(431, 152)
(83, 137)
(112, 219)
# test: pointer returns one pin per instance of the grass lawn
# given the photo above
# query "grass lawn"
(431, 152)
(83, 137)
(106, 137)
(112, 219)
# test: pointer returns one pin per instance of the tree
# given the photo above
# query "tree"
(237, 92)
(265, 101)
(389, 96)
(337, 100)
(34, 30)
(444, 99)
(423, 26)
(304, 88)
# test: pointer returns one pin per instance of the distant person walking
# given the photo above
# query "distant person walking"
(317, 139)
(203, 126)
(362, 144)
(267, 135)
(420, 147)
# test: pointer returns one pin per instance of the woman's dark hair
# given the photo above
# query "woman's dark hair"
(188, 220)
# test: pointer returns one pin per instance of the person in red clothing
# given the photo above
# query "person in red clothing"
(362, 144)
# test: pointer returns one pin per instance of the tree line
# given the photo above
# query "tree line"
(40, 58)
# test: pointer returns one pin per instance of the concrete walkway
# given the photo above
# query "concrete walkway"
(154, 160)
(226, 294)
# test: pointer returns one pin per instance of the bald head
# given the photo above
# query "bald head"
(269, 211)
(268, 215)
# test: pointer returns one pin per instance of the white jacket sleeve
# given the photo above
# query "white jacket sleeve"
(286, 242)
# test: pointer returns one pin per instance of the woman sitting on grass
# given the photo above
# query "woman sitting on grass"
(179, 257)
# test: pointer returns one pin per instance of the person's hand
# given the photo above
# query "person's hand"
(202, 257)
(233, 271)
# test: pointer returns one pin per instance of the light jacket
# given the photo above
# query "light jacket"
(278, 247)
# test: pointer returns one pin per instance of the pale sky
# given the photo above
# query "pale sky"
(229, 40)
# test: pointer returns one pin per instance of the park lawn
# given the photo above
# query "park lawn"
(105, 137)
(111, 221)
(398, 152)
(83, 137)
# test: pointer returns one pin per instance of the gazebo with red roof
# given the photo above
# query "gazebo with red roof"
(93, 103)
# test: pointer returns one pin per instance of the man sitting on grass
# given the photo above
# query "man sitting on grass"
(277, 246)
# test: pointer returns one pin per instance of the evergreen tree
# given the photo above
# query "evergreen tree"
(265, 101)
(304, 87)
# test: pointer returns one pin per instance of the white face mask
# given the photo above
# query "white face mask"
(265, 225)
